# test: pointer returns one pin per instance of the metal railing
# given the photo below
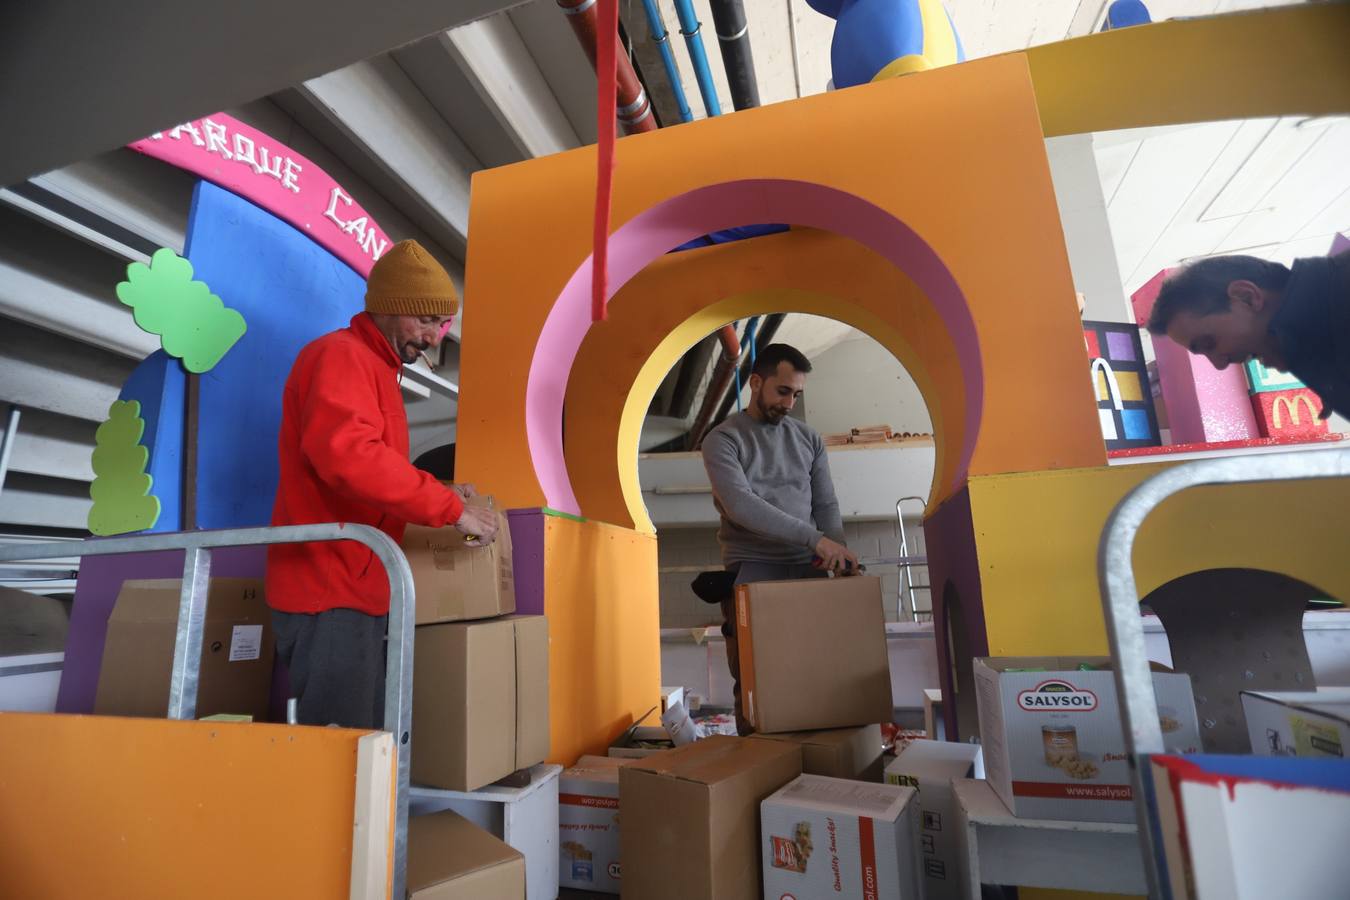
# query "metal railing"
(1120, 598)
(187, 650)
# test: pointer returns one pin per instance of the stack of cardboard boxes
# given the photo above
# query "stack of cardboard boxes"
(730, 817)
(480, 673)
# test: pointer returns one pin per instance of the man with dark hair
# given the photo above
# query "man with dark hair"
(1296, 319)
(771, 484)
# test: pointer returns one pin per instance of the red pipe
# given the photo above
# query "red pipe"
(634, 108)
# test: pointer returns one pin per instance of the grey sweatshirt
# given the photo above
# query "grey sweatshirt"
(771, 484)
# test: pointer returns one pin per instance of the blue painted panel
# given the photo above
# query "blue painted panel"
(160, 384)
(290, 290)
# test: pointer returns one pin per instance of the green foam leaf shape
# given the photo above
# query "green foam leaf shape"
(192, 323)
(121, 488)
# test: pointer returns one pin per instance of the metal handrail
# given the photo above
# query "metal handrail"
(187, 649)
(1120, 598)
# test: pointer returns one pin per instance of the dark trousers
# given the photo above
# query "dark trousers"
(336, 661)
(750, 573)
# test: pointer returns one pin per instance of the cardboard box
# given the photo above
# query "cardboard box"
(1307, 723)
(480, 701)
(237, 650)
(827, 837)
(588, 825)
(450, 858)
(852, 753)
(455, 582)
(813, 654)
(1053, 748)
(689, 817)
(929, 767)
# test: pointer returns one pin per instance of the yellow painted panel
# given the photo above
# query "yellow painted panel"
(1269, 62)
(1041, 596)
(1127, 382)
(600, 596)
(96, 806)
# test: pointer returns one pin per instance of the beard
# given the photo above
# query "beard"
(411, 351)
(772, 414)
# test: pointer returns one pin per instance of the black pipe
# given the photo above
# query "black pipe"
(763, 338)
(733, 37)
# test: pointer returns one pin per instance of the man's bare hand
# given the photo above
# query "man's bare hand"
(465, 491)
(478, 525)
(835, 557)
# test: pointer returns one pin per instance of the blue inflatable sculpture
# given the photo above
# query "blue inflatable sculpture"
(877, 39)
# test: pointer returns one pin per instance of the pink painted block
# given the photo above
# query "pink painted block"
(266, 172)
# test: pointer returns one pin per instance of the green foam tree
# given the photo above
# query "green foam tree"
(121, 488)
(192, 323)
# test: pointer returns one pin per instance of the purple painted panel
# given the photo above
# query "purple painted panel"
(1339, 244)
(949, 535)
(96, 592)
(527, 550)
(1120, 346)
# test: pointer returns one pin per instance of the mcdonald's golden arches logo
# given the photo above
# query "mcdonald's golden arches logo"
(1290, 407)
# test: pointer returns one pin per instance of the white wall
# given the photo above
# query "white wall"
(858, 382)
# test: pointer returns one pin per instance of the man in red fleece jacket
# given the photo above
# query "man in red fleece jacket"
(344, 458)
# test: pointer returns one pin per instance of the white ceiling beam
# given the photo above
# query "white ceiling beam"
(380, 109)
(44, 370)
(102, 75)
(504, 74)
(58, 446)
(544, 29)
(44, 502)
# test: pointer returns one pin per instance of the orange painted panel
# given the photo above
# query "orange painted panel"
(95, 806)
(600, 596)
(956, 154)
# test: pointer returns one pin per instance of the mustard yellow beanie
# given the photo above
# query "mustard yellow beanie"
(407, 281)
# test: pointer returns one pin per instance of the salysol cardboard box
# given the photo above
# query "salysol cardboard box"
(588, 825)
(689, 817)
(454, 581)
(1299, 723)
(480, 701)
(828, 837)
(237, 649)
(929, 767)
(450, 858)
(854, 753)
(1053, 747)
(813, 654)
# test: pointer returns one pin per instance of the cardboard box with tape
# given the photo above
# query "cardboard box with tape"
(237, 650)
(854, 753)
(689, 817)
(480, 701)
(828, 837)
(813, 654)
(455, 581)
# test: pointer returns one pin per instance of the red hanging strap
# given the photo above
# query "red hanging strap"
(606, 75)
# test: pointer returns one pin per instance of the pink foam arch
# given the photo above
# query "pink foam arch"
(672, 222)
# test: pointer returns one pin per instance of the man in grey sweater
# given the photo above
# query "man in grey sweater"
(771, 485)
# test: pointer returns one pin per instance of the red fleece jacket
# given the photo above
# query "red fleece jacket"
(344, 458)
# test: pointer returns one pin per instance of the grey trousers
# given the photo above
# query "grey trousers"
(336, 661)
(750, 573)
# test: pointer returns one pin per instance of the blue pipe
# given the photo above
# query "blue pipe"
(661, 36)
(689, 26)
